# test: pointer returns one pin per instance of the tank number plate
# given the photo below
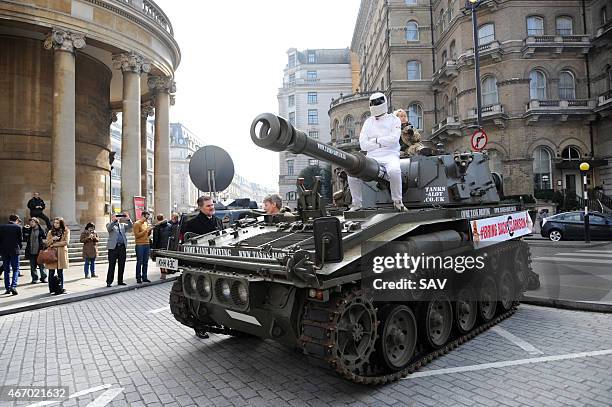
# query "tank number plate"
(171, 264)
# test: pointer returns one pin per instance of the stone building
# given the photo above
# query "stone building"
(545, 76)
(183, 144)
(66, 68)
(311, 79)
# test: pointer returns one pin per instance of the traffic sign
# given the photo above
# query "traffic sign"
(479, 140)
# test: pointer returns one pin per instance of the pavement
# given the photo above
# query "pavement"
(34, 296)
(573, 275)
(128, 350)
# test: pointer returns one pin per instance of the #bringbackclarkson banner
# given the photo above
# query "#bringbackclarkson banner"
(501, 228)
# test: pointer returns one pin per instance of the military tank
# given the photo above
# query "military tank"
(312, 280)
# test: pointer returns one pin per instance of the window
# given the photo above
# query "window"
(537, 85)
(567, 90)
(291, 79)
(445, 109)
(441, 21)
(335, 129)
(604, 15)
(149, 163)
(292, 118)
(486, 34)
(291, 100)
(290, 168)
(116, 173)
(150, 180)
(535, 25)
(449, 13)
(149, 143)
(454, 108)
(415, 115)
(311, 57)
(542, 168)
(311, 75)
(444, 57)
(453, 50)
(412, 31)
(312, 98)
(564, 26)
(314, 134)
(414, 70)
(597, 220)
(411, 2)
(489, 91)
(570, 153)
(572, 217)
(609, 78)
(313, 162)
(291, 60)
(349, 126)
(313, 116)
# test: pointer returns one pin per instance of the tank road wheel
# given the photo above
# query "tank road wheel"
(466, 310)
(398, 336)
(355, 331)
(179, 305)
(438, 321)
(507, 290)
(487, 299)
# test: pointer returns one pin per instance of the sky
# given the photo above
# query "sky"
(233, 56)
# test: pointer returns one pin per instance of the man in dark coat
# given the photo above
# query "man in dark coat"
(35, 237)
(36, 206)
(10, 245)
(205, 221)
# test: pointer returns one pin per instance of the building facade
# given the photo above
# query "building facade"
(311, 79)
(545, 77)
(241, 187)
(67, 68)
(183, 144)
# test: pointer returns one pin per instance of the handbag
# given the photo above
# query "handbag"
(47, 256)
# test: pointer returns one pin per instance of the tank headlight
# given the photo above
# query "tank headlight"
(190, 283)
(204, 286)
(226, 290)
(240, 293)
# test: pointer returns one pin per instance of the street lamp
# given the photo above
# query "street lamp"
(473, 5)
(584, 167)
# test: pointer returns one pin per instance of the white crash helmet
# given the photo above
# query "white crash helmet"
(378, 104)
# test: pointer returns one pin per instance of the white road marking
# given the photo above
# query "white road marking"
(158, 310)
(105, 398)
(506, 363)
(595, 251)
(75, 395)
(526, 346)
(569, 259)
(243, 317)
(585, 254)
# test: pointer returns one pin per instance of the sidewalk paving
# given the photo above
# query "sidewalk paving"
(34, 296)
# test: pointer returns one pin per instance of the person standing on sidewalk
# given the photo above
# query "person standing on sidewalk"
(90, 240)
(36, 206)
(117, 245)
(142, 231)
(161, 234)
(10, 245)
(34, 236)
(58, 238)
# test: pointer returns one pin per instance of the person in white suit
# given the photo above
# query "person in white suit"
(380, 137)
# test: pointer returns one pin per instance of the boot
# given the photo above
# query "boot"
(399, 206)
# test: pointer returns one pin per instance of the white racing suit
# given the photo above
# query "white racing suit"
(380, 139)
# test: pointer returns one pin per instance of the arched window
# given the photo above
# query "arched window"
(454, 106)
(489, 91)
(415, 115)
(486, 34)
(444, 57)
(570, 153)
(603, 15)
(442, 21)
(445, 107)
(413, 69)
(349, 126)
(537, 85)
(535, 25)
(412, 31)
(564, 25)
(542, 168)
(449, 14)
(453, 51)
(335, 129)
(495, 162)
(567, 88)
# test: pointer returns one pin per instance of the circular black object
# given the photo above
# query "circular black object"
(438, 321)
(487, 299)
(211, 169)
(465, 310)
(398, 337)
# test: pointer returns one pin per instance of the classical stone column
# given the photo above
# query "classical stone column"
(146, 111)
(63, 167)
(131, 65)
(162, 87)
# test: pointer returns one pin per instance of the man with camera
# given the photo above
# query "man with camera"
(117, 245)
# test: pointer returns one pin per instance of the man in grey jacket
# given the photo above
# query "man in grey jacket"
(117, 245)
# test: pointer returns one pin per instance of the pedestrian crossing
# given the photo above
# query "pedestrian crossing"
(585, 256)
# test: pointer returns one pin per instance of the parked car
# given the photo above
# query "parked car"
(570, 225)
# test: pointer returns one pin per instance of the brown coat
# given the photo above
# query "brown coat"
(62, 250)
(90, 244)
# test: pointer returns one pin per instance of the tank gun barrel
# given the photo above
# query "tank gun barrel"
(276, 134)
